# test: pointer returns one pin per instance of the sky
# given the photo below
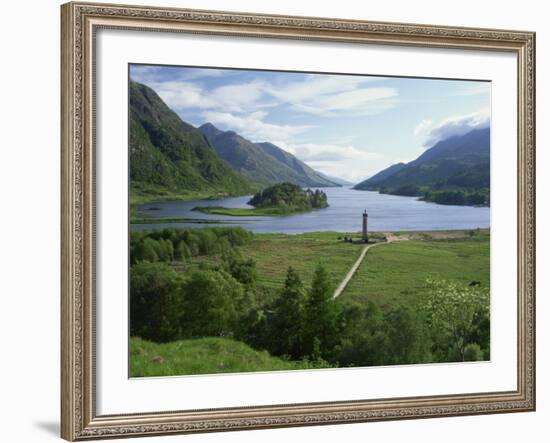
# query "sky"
(346, 126)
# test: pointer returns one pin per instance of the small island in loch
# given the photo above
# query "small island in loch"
(280, 199)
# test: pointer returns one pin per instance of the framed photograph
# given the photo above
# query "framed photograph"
(277, 221)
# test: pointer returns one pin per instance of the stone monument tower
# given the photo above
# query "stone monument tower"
(365, 225)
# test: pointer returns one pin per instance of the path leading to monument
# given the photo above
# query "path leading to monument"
(354, 268)
(392, 237)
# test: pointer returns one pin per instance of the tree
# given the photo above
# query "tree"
(288, 320)
(182, 251)
(362, 341)
(243, 270)
(321, 314)
(211, 304)
(165, 250)
(155, 302)
(288, 195)
(454, 311)
(149, 251)
(472, 352)
(407, 341)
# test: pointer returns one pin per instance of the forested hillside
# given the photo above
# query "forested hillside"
(261, 163)
(454, 171)
(170, 158)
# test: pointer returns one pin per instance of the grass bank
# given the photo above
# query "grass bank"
(248, 212)
(149, 193)
(208, 355)
(149, 220)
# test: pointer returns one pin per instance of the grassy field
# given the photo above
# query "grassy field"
(274, 253)
(208, 355)
(391, 273)
(397, 272)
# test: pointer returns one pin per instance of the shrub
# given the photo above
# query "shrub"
(454, 313)
(155, 302)
(472, 352)
(212, 304)
(172, 243)
(407, 339)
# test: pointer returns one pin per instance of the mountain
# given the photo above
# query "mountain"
(337, 180)
(315, 177)
(210, 131)
(381, 176)
(474, 146)
(453, 170)
(169, 157)
(261, 163)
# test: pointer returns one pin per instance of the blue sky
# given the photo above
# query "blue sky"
(347, 126)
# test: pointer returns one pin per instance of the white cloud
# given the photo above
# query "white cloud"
(234, 98)
(422, 126)
(144, 73)
(361, 101)
(335, 95)
(458, 125)
(181, 95)
(236, 104)
(325, 96)
(314, 86)
(253, 126)
(345, 161)
(193, 74)
(474, 89)
(149, 74)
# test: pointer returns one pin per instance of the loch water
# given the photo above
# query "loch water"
(386, 213)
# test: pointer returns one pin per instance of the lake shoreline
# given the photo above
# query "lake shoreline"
(344, 214)
(250, 212)
(145, 220)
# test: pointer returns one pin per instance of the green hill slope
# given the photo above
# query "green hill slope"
(337, 180)
(380, 176)
(454, 171)
(210, 355)
(261, 163)
(170, 158)
(311, 177)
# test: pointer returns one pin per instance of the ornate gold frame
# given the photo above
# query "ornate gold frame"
(80, 21)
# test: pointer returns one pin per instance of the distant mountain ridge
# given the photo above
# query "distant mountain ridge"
(337, 180)
(262, 163)
(170, 158)
(382, 175)
(453, 170)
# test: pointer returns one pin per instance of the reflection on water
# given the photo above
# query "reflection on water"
(386, 213)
